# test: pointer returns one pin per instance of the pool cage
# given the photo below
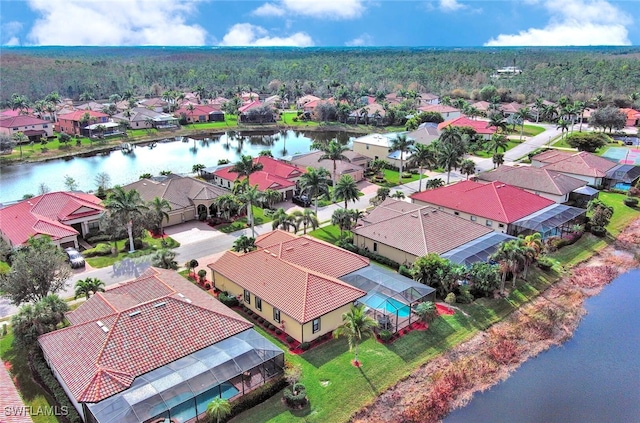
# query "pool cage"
(477, 250)
(181, 390)
(554, 220)
(390, 296)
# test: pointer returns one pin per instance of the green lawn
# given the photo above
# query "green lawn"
(154, 244)
(32, 394)
(258, 219)
(391, 178)
(510, 145)
(329, 233)
(287, 119)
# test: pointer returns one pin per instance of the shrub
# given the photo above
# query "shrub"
(260, 320)
(53, 386)
(631, 202)
(94, 239)
(102, 249)
(278, 332)
(405, 271)
(598, 231)
(289, 339)
(464, 296)
(545, 263)
(385, 335)
(297, 398)
(257, 396)
(450, 298)
(207, 286)
(272, 327)
(266, 324)
(305, 346)
(228, 300)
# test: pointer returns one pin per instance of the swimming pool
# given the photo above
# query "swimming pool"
(390, 305)
(622, 186)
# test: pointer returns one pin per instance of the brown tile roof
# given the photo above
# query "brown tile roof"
(177, 190)
(311, 160)
(582, 163)
(112, 341)
(539, 179)
(419, 230)
(298, 292)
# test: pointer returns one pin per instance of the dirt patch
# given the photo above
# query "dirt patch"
(450, 380)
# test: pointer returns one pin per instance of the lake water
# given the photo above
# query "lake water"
(178, 157)
(593, 377)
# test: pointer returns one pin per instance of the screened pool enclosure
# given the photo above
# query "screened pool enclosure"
(477, 250)
(181, 390)
(554, 220)
(390, 296)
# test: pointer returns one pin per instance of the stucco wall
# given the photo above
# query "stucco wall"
(495, 225)
(385, 250)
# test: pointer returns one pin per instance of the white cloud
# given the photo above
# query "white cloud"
(269, 9)
(327, 9)
(450, 5)
(10, 32)
(362, 40)
(245, 34)
(131, 22)
(574, 22)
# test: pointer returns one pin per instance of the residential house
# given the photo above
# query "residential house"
(496, 205)
(429, 98)
(354, 167)
(200, 113)
(510, 109)
(246, 113)
(60, 215)
(481, 127)
(426, 133)
(378, 146)
(447, 112)
(546, 183)
(156, 348)
(249, 97)
(306, 99)
(404, 231)
(275, 175)
(633, 117)
(189, 198)
(155, 104)
(32, 127)
(143, 118)
(91, 105)
(74, 124)
(582, 165)
(370, 114)
(296, 287)
(482, 106)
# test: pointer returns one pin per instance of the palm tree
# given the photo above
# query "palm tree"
(402, 144)
(467, 167)
(19, 138)
(246, 166)
(341, 218)
(165, 259)
(423, 156)
(306, 218)
(333, 151)
(570, 111)
(251, 196)
(271, 197)
(159, 208)
(346, 189)
(497, 142)
(448, 157)
(522, 115)
(280, 219)
(315, 183)
(580, 107)
(534, 242)
(498, 121)
(218, 409)
(398, 195)
(509, 257)
(198, 168)
(244, 243)
(563, 125)
(227, 204)
(356, 326)
(88, 286)
(125, 205)
(434, 183)
(539, 106)
(498, 159)
(426, 311)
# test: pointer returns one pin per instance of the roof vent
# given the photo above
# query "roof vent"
(134, 313)
(267, 251)
(274, 255)
(187, 300)
(414, 215)
(289, 249)
(180, 295)
(160, 304)
(99, 323)
(305, 243)
(105, 329)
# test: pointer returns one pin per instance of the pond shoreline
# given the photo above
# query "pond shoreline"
(450, 380)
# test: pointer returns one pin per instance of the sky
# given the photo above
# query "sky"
(322, 23)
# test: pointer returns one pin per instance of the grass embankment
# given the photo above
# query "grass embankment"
(32, 394)
(153, 245)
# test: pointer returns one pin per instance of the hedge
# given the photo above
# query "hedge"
(257, 396)
(373, 256)
(53, 386)
(228, 300)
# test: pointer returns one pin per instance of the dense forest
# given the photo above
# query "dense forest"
(98, 72)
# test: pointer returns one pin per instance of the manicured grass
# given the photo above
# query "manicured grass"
(485, 154)
(622, 214)
(258, 219)
(32, 394)
(154, 244)
(230, 121)
(329, 233)
(391, 178)
(287, 119)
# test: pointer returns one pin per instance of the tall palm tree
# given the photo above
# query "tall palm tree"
(522, 115)
(218, 409)
(125, 205)
(20, 138)
(563, 125)
(198, 168)
(333, 151)
(468, 167)
(227, 204)
(398, 195)
(341, 218)
(509, 257)
(88, 286)
(498, 121)
(448, 157)
(424, 156)
(251, 196)
(271, 197)
(580, 107)
(497, 142)
(246, 166)
(533, 242)
(498, 159)
(315, 183)
(570, 111)
(539, 106)
(244, 243)
(165, 259)
(159, 208)
(356, 326)
(402, 144)
(280, 219)
(306, 218)
(346, 189)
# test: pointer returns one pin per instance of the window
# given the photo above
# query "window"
(93, 226)
(375, 246)
(473, 218)
(500, 225)
(367, 146)
(45, 126)
(315, 325)
(276, 315)
(247, 297)
(456, 213)
(258, 303)
(489, 222)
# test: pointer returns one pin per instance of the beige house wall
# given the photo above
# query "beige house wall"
(395, 254)
(493, 224)
(371, 151)
(298, 331)
(46, 127)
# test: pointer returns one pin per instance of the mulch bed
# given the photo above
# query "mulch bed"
(443, 309)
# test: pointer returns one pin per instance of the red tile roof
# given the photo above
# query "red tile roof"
(480, 126)
(275, 174)
(21, 120)
(198, 110)
(164, 323)
(418, 230)
(495, 201)
(47, 214)
(297, 291)
(78, 114)
(249, 106)
(582, 163)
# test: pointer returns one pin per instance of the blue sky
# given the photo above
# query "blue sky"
(320, 22)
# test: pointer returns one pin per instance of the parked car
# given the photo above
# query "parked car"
(302, 200)
(74, 258)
